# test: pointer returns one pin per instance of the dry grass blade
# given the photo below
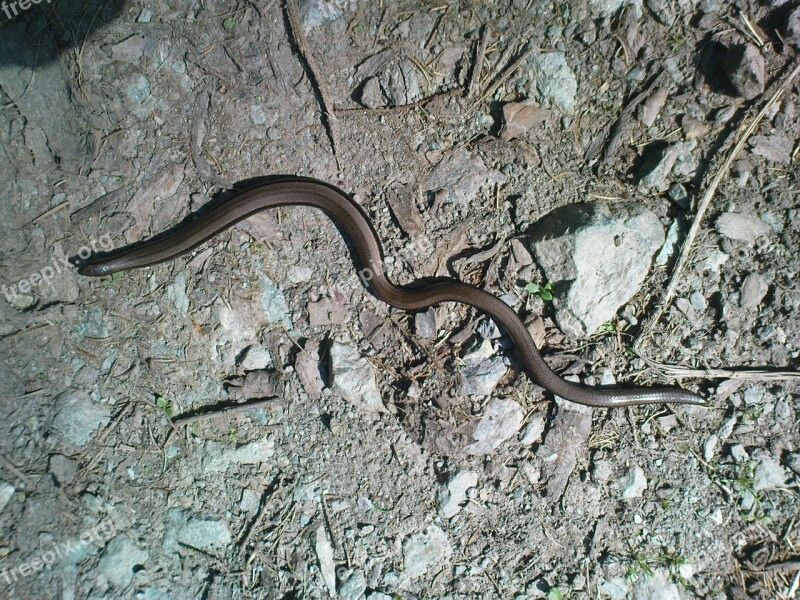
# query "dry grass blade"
(679, 372)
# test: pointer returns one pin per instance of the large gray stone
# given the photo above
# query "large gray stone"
(424, 551)
(119, 560)
(354, 378)
(77, 417)
(597, 256)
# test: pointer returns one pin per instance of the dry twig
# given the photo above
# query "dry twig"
(678, 372)
(477, 67)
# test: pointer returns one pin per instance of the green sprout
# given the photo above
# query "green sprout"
(164, 405)
(110, 281)
(545, 292)
(555, 594)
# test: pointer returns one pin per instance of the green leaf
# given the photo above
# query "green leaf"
(554, 594)
(228, 24)
(164, 405)
(532, 288)
(546, 295)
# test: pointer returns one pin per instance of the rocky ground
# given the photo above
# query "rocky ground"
(249, 422)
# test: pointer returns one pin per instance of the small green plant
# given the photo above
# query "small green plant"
(676, 41)
(545, 292)
(555, 594)
(233, 435)
(111, 280)
(607, 328)
(639, 565)
(643, 565)
(164, 405)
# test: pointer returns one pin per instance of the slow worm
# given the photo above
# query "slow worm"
(296, 191)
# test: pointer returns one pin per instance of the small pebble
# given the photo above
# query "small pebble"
(693, 129)
(744, 66)
(754, 289)
(677, 193)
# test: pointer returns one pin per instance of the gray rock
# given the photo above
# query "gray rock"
(6, 493)
(372, 95)
(425, 550)
(459, 177)
(744, 66)
(597, 257)
(605, 8)
(273, 303)
(255, 358)
(793, 462)
(176, 293)
(655, 587)
(693, 129)
(315, 13)
(670, 244)
(615, 589)
(769, 474)
(659, 163)
(533, 430)
(354, 586)
(400, 83)
(354, 378)
(63, 468)
(218, 457)
(753, 395)
(754, 288)
(710, 447)
(664, 10)
(209, 535)
(649, 109)
(521, 254)
(480, 374)
(328, 311)
(567, 436)
(792, 29)
(602, 471)
(119, 559)
(250, 501)
(551, 81)
(454, 494)
(324, 552)
(633, 483)
(739, 454)
(11, 386)
(678, 194)
(502, 418)
(743, 227)
(488, 329)
(775, 148)
(77, 417)
(698, 301)
(425, 324)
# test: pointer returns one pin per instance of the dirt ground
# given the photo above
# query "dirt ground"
(249, 422)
